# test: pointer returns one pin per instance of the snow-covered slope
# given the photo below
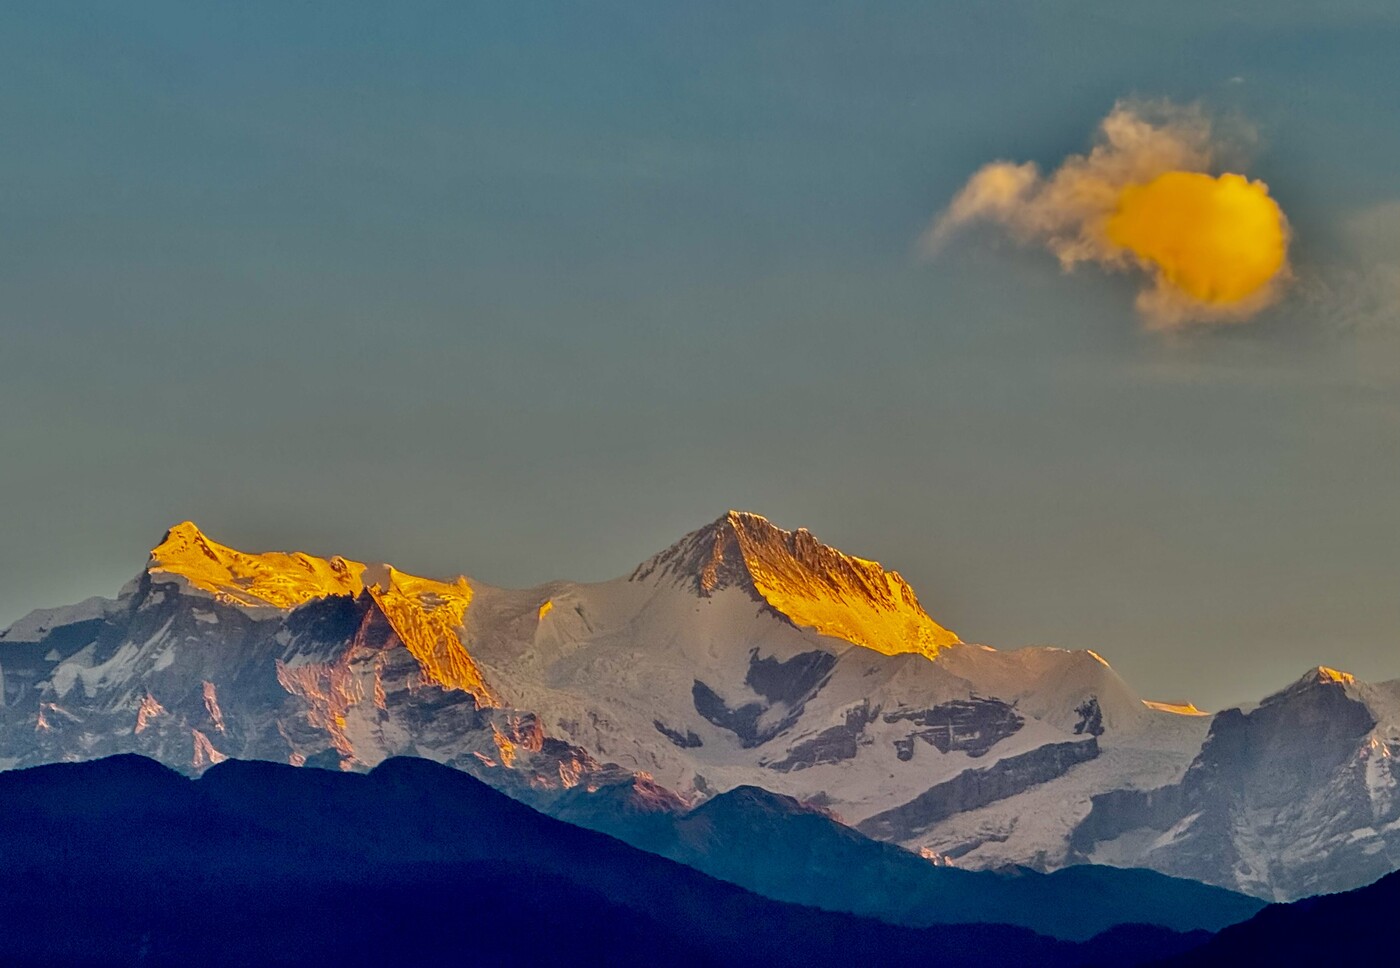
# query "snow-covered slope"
(742, 655)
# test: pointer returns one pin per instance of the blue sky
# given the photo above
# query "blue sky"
(528, 291)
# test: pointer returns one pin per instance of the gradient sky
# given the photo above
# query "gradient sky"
(527, 291)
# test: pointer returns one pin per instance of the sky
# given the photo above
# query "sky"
(528, 291)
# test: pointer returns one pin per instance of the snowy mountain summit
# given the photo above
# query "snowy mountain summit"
(743, 655)
(274, 579)
(801, 579)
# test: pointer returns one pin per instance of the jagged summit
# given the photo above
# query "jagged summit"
(813, 585)
(424, 614)
(710, 558)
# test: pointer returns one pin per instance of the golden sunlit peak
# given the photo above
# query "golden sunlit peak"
(1324, 674)
(179, 540)
(811, 584)
(426, 615)
(185, 529)
(276, 579)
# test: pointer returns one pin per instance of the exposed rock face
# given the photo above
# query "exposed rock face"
(970, 726)
(1296, 797)
(784, 687)
(742, 722)
(686, 741)
(832, 745)
(1090, 718)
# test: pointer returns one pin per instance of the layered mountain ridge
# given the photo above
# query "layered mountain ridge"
(121, 861)
(744, 654)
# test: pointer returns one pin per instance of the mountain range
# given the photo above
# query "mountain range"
(745, 668)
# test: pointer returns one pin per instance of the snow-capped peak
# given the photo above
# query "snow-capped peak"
(809, 583)
(277, 579)
(426, 615)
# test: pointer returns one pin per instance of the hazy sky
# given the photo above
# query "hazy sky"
(527, 291)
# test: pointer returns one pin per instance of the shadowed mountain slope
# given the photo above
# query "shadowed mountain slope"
(121, 861)
(775, 846)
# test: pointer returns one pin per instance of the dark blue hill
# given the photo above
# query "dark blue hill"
(775, 846)
(120, 861)
(1351, 928)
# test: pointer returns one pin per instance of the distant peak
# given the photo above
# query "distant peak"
(1322, 674)
(1315, 678)
(811, 584)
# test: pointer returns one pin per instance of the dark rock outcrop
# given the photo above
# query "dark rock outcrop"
(971, 726)
(971, 789)
(1090, 718)
(686, 741)
(831, 745)
(784, 684)
(1281, 802)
